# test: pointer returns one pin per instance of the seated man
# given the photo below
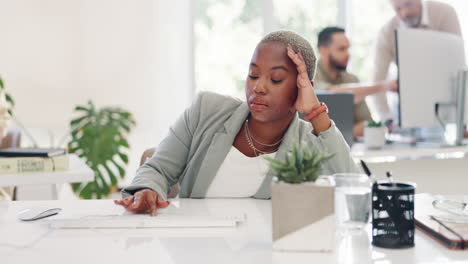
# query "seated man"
(332, 75)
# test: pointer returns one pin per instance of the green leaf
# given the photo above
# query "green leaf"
(104, 186)
(9, 99)
(119, 168)
(123, 142)
(300, 165)
(96, 136)
(374, 124)
(81, 108)
(78, 120)
(111, 175)
(87, 191)
(76, 186)
(123, 157)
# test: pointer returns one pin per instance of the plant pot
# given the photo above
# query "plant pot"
(303, 217)
(374, 137)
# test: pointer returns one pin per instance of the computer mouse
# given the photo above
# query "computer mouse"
(36, 213)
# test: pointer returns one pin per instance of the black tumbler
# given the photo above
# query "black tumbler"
(393, 215)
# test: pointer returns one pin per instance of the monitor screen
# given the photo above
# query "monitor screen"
(428, 64)
(341, 111)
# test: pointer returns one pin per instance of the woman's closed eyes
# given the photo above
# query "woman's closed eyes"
(274, 81)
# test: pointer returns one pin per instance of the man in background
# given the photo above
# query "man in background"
(331, 75)
(409, 14)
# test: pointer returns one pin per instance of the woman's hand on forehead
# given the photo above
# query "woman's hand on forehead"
(306, 99)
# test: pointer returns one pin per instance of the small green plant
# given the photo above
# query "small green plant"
(8, 97)
(99, 137)
(301, 165)
(374, 124)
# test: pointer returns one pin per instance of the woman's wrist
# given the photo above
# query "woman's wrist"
(321, 108)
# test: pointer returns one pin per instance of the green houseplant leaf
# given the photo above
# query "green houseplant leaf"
(99, 137)
(8, 97)
(300, 165)
(374, 124)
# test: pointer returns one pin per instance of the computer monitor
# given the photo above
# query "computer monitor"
(428, 63)
(341, 111)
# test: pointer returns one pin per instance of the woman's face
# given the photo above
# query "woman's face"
(271, 88)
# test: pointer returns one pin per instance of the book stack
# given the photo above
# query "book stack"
(24, 160)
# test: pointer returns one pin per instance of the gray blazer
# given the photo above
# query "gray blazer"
(200, 139)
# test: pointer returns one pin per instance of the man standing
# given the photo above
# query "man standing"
(331, 75)
(409, 14)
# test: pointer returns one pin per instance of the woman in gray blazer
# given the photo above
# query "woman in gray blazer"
(279, 84)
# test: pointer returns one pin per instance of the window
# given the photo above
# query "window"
(226, 33)
(306, 17)
(369, 16)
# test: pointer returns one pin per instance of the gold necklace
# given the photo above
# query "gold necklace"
(251, 145)
(258, 142)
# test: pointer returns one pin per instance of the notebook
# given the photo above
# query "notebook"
(435, 224)
(32, 152)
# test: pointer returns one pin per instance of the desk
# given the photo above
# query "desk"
(250, 242)
(78, 172)
(434, 170)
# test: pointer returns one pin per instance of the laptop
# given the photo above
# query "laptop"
(340, 110)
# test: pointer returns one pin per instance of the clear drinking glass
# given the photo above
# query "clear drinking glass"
(352, 200)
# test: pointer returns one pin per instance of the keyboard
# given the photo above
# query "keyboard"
(145, 221)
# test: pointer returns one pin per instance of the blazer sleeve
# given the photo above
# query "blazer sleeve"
(163, 169)
(332, 141)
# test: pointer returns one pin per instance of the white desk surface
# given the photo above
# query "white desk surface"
(250, 242)
(395, 152)
(78, 172)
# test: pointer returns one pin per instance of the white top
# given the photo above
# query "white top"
(239, 176)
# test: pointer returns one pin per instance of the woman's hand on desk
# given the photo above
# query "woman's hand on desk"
(143, 200)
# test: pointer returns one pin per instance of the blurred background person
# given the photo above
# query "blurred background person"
(420, 14)
(332, 75)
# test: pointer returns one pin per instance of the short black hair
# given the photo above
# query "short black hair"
(325, 36)
(298, 43)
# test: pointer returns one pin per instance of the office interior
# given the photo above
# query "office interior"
(151, 58)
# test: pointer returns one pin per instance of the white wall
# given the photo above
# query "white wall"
(55, 54)
(461, 7)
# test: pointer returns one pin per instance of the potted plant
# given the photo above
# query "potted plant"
(99, 137)
(302, 209)
(374, 135)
